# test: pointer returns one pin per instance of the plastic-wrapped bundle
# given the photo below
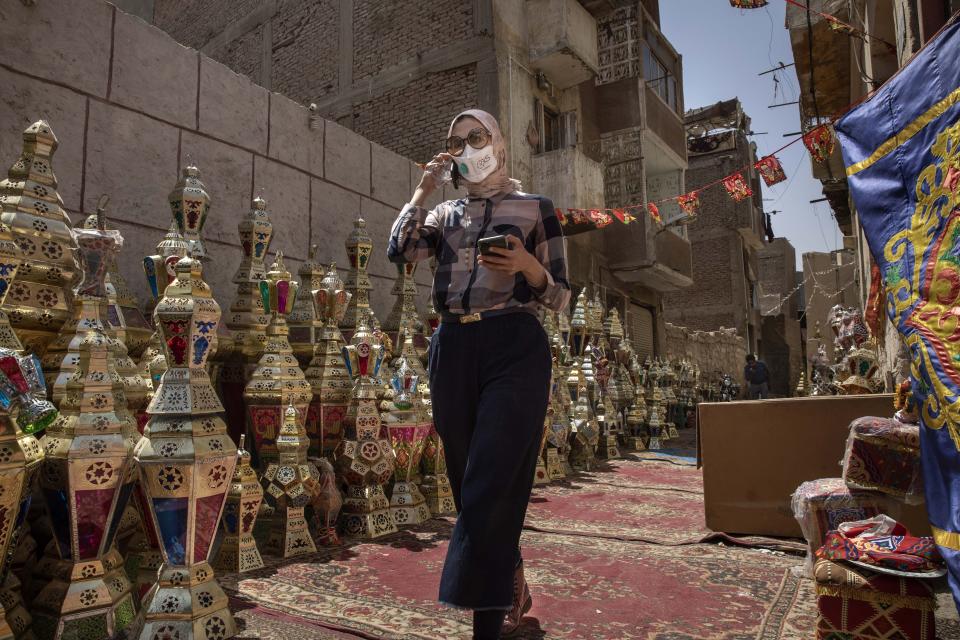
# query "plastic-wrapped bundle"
(823, 505)
(883, 455)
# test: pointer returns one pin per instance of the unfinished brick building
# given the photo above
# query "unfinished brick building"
(588, 94)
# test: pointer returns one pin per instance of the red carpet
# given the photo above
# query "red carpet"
(611, 554)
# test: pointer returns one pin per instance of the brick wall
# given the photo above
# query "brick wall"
(413, 120)
(782, 353)
(305, 49)
(194, 23)
(384, 33)
(130, 106)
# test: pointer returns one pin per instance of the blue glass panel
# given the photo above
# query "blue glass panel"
(172, 515)
(230, 520)
(58, 505)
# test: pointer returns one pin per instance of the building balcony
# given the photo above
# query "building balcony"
(644, 254)
(563, 41)
(569, 178)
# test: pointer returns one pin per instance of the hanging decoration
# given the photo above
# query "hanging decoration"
(748, 4)
(819, 142)
(622, 215)
(737, 187)
(654, 212)
(770, 170)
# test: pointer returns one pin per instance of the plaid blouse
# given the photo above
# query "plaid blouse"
(451, 231)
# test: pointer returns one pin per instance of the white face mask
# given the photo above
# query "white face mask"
(476, 164)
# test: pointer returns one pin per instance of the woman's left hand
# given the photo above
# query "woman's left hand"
(515, 260)
(510, 261)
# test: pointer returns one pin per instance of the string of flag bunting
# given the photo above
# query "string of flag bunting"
(818, 140)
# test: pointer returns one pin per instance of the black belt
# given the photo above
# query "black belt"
(459, 318)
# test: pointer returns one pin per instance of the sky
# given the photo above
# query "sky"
(723, 50)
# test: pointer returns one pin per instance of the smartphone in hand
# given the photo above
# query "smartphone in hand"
(485, 244)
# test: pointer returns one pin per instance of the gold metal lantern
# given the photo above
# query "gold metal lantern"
(87, 476)
(38, 301)
(238, 551)
(408, 426)
(186, 462)
(306, 327)
(359, 247)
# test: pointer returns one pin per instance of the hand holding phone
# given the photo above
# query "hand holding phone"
(485, 244)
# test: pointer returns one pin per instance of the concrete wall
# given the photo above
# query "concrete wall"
(130, 106)
(830, 280)
(781, 351)
(778, 275)
(716, 352)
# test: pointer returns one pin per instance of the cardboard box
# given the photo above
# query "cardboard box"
(755, 454)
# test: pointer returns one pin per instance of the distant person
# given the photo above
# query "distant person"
(757, 377)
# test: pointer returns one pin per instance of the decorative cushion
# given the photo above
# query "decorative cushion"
(883, 454)
(823, 505)
(863, 605)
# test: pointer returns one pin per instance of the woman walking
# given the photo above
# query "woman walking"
(500, 255)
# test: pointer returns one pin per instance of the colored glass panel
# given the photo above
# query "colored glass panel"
(58, 506)
(93, 513)
(231, 520)
(208, 511)
(122, 500)
(172, 516)
(144, 508)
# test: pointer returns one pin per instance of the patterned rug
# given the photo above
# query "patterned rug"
(615, 553)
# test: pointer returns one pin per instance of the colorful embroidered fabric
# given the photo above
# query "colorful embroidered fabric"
(883, 455)
(862, 604)
(819, 142)
(881, 541)
(689, 203)
(823, 505)
(900, 147)
(770, 170)
(737, 187)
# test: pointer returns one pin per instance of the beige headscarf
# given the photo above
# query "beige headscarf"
(499, 181)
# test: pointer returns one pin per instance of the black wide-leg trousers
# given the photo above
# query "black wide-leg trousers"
(489, 385)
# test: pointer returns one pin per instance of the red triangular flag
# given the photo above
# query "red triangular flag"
(819, 142)
(622, 215)
(690, 203)
(737, 187)
(562, 218)
(654, 212)
(748, 4)
(770, 170)
(599, 218)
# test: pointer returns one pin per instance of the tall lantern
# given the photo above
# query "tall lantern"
(327, 373)
(87, 472)
(239, 552)
(247, 317)
(364, 458)
(359, 247)
(408, 426)
(277, 381)
(186, 463)
(306, 327)
(38, 300)
(190, 204)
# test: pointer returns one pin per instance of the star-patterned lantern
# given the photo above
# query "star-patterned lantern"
(359, 247)
(584, 433)
(190, 204)
(305, 325)
(327, 373)
(38, 301)
(238, 551)
(408, 427)
(364, 458)
(636, 416)
(186, 462)
(558, 429)
(20, 459)
(127, 322)
(277, 381)
(654, 424)
(404, 310)
(290, 485)
(247, 318)
(87, 475)
(10, 259)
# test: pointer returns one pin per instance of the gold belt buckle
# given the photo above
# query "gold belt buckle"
(473, 317)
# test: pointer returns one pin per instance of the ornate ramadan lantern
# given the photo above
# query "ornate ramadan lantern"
(359, 246)
(584, 433)
(186, 462)
(862, 367)
(10, 259)
(408, 426)
(290, 486)
(801, 389)
(364, 458)
(247, 318)
(405, 307)
(636, 416)
(306, 327)
(87, 472)
(238, 551)
(190, 204)
(654, 424)
(38, 300)
(278, 381)
(434, 483)
(604, 410)
(327, 373)
(127, 322)
(558, 430)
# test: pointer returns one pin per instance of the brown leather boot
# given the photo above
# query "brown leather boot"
(522, 603)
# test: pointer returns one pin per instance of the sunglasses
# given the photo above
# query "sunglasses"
(477, 138)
